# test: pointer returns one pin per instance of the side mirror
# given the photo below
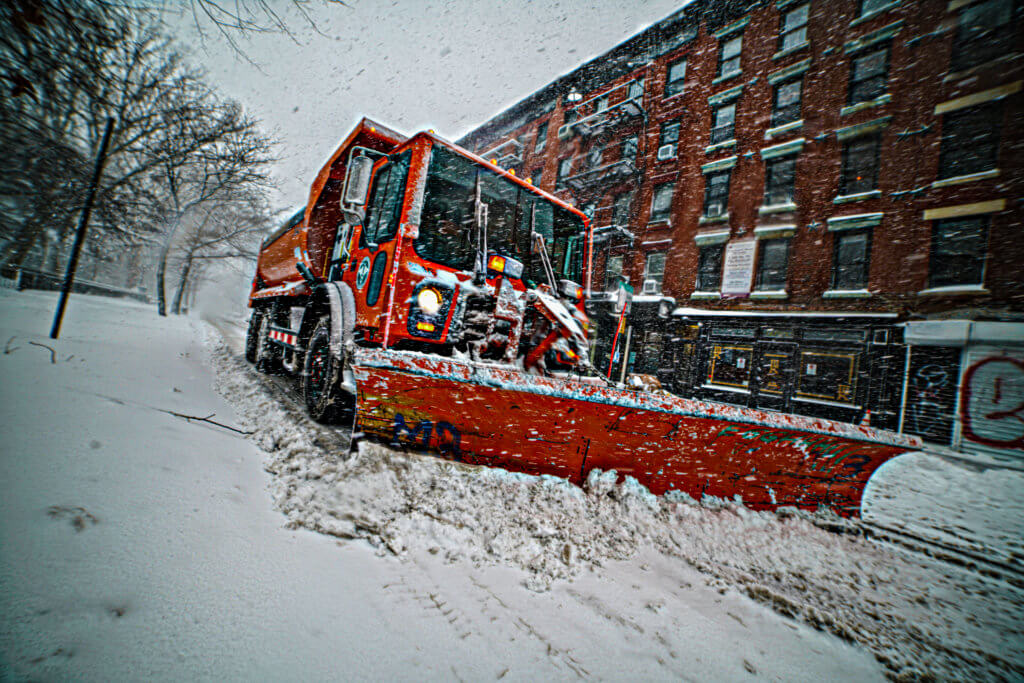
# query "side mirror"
(357, 181)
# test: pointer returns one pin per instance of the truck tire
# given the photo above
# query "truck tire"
(268, 354)
(322, 373)
(252, 336)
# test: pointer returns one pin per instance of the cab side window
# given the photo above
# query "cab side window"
(385, 205)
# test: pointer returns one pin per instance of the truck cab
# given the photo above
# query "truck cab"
(416, 244)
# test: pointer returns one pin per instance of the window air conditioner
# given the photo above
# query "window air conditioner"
(564, 131)
(667, 151)
(650, 287)
(714, 209)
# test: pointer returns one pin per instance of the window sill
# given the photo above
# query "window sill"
(978, 68)
(784, 128)
(666, 98)
(704, 220)
(861, 106)
(725, 77)
(875, 12)
(859, 197)
(791, 50)
(770, 294)
(777, 208)
(953, 290)
(706, 295)
(719, 146)
(846, 294)
(969, 178)
(719, 387)
(825, 402)
(658, 223)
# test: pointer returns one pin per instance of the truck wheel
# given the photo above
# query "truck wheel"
(321, 379)
(268, 354)
(252, 336)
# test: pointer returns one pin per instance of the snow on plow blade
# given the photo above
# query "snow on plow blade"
(495, 415)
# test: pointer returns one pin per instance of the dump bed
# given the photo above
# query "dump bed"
(309, 235)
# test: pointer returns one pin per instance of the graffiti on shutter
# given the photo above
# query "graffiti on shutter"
(992, 401)
(931, 393)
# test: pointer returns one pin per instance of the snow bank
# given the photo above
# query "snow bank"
(917, 615)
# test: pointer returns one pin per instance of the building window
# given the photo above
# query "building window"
(729, 57)
(871, 6)
(601, 103)
(542, 137)
(851, 260)
(716, 193)
(869, 75)
(860, 165)
(629, 146)
(793, 32)
(594, 157)
(772, 264)
(730, 366)
(636, 89)
(725, 123)
(661, 204)
(786, 102)
(709, 268)
(669, 133)
(536, 176)
(958, 253)
(621, 209)
(829, 376)
(654, 272)
(779, 175)
(613, 272)
(970, 140)
(675, 78)
(985, 31)
(564, 169)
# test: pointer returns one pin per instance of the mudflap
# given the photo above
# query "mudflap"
(491, 414)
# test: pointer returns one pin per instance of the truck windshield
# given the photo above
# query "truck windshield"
(446, 226)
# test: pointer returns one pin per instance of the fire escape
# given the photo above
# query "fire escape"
(622, 103)
(506, 155)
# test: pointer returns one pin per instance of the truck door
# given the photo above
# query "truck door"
(373, 255)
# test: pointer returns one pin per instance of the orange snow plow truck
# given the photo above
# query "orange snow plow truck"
(416, 244)
(436, 301)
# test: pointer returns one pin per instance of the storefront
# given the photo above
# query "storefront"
(965, 385)
(640, 346)
(835, 366)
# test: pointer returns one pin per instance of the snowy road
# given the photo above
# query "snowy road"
(135, 544)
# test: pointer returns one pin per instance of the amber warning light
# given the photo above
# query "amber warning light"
(505, 266)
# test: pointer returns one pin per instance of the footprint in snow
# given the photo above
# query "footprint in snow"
(79, 517)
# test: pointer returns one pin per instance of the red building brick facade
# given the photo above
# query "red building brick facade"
(867, 156)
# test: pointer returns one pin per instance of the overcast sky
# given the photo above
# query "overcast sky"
(411, 64)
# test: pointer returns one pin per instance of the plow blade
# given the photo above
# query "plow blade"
(494, 415)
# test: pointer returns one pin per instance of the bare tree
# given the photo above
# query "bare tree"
(229, 229)
(210, 150)
(176, 146)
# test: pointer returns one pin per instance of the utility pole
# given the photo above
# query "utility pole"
(83, 224)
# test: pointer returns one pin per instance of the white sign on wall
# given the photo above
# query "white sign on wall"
(738, 268)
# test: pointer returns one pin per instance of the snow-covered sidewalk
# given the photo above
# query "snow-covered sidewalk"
(135, 544)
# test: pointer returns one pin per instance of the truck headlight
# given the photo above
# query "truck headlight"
(429, 300)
